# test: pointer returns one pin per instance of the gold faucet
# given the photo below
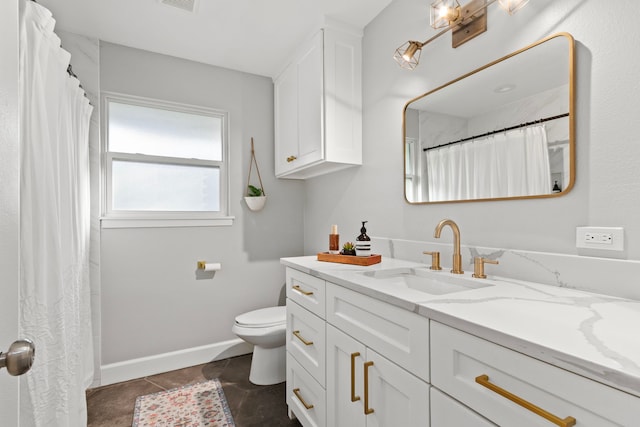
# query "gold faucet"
(478, 266)
(457, 258)
(435, 260)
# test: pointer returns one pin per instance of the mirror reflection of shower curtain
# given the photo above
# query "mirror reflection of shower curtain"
(514, 163)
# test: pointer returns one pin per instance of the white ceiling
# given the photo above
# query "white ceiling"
(255, 36)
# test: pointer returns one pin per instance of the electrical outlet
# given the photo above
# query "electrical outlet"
(606, 238)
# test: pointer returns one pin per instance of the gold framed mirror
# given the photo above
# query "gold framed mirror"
(503, 131)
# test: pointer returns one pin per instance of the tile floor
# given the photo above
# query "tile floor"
(251, 405)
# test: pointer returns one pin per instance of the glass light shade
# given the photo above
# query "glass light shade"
(408, 55)
(512, 6)
(443, 12)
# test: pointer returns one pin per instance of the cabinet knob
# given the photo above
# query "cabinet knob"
(291, 159)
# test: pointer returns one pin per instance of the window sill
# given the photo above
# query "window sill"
(165, 223)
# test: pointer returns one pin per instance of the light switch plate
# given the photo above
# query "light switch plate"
(602, 238)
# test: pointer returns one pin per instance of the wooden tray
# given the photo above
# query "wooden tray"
(350, 259)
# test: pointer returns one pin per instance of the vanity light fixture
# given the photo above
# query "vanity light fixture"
(465, 23)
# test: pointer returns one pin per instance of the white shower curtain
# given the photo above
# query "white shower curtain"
(514, 163)
(54, 229)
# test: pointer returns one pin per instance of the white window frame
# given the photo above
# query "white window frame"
(135, 219)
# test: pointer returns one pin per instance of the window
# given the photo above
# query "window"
(165, 164)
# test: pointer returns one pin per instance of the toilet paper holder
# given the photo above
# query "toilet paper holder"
(208, 266)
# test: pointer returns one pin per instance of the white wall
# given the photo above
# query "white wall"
(152, 301)
(607, 190)
(9, 202)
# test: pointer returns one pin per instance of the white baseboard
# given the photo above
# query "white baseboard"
(156, 364)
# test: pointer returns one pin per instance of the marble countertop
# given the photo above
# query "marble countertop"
(585, 333)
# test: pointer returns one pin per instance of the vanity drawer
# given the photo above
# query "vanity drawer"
(306, 340)
(459, 360)
(397, 334)
(305, 397)
(448, 412)
(306, 290)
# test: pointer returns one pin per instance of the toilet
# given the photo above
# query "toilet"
(265, 329)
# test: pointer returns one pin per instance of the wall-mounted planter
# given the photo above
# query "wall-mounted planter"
(256, 196)
(256, 203)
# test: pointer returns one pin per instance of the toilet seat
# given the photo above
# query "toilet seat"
(263, 318)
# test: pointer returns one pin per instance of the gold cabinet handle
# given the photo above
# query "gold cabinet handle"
(367, 410)
(354, 398)
(483, 380)
(291, 159)
(302, 291)
(305, 342)
(296, 391)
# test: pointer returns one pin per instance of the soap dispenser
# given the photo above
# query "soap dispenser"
(363, 242)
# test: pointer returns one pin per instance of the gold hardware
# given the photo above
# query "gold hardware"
(483, 380)
(201, 265)
(435, 260)
(354, 398)
(457, 258)
(305, 342)
(302, 291)
(291, 159)
(296, 391)
(473, 22)
(465, 23)
(367, 410)
(478, 266)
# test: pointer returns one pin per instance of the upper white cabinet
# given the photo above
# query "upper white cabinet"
(318, 107)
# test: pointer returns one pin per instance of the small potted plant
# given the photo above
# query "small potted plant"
(255, 198)
(348, 249)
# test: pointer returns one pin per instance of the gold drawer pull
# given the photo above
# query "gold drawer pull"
(302, 291)
(367, 410)
(354, 398)
(296, 391)
(305, 342)
(291, 159)
(483, 380)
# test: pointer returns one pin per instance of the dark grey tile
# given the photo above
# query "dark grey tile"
(265, 407)
(250, 405)
(113, 405)
(178, 378)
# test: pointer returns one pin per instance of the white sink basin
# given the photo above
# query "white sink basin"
(425, 280)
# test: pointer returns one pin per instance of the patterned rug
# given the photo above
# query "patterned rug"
(195, 405)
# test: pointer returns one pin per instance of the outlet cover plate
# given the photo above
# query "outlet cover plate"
(602, 238)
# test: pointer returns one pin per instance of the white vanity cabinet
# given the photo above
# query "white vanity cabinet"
(483, 375)
(448, 412)
(367, 343)
(353, 360)
(306, 348)
(318, 106)
(367, 389)
(362, 358)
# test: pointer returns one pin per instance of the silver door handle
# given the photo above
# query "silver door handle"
(19, 359)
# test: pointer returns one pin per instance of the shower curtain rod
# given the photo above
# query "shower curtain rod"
(70, 71)
(521, 125)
